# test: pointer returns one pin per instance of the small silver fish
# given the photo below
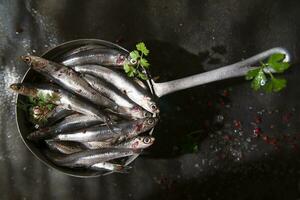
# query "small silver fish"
(65, 147)
(120, 132)
(139, 142)
(137, 94)
(100, 55)
(110, 167)
(70, 80)
(130, 108)
(90, 157)
(61, 97)
(70, 123)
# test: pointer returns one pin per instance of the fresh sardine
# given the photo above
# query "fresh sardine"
(90, 157)
(131, 109)
(65, 147)
(101, 56)
(70, 123)
(139, 142)
(110, 167)
(123, 83)
(120, 132)
(60, 97)
(57, 114)
(69, 79)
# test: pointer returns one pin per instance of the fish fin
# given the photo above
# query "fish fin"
(122, 169)
(131, 159)
(137, 151)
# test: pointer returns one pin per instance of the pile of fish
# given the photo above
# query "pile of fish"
(99, 112)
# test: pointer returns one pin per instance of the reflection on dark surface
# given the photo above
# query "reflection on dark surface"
(232, 159)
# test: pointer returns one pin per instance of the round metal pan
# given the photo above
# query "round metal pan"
(25, 127)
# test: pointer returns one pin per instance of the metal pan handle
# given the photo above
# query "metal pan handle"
(230, 71)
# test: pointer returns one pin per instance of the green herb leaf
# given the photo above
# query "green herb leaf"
(144, 63)
(279, 67)
(268, 87)
(143, 76)
(142, 48)
(127, 67)
(259, 80)
(276, 62)
(134, 54)
(258, 76)
(50, 106)
(275, 58)
(138, 69)
(251, 74)
(278, 84)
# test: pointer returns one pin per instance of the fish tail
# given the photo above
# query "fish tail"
(122, 169)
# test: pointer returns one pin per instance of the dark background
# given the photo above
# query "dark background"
(206, 146)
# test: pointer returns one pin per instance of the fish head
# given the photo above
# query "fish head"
(151, 105)
(121, 59)
(148, 123)
(34, 61)
(139, 113)
(142, 142)
(20, 88)
(17, 87)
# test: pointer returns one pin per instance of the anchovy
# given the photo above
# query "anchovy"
(90, 157)
(69, 79)
(110, 167)
(131, 109)
(122, 131)
(70, 123)
(60, 97)
(140, 142)
(137, 94)
(78, 50)
(57, 114)
(101, 56)
(65, 147)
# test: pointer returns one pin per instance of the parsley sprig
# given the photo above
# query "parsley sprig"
(263, 78)
(43, 102)
(138, 64)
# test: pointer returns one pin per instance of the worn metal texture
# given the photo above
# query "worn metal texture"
(247, 142)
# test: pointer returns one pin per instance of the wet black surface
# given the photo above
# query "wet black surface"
(246, 144)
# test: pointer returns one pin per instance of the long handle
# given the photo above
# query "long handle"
(229, 71)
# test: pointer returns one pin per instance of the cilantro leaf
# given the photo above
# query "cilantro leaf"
(251, 74)
(276, 62)
(127, 67)
(277, 57)
(138, 68)
(275, 85)
(279, 67)
(142, 48)
(143, 76)
(278, 84)
(259, 80)
(268, 87)
(144, 63)
(134, 54)
(258, 76)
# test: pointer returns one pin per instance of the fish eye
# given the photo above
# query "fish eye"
(150, 121)
(27, 59)
(147, 140)
(147, 114)
(122, 57)
(153, 107)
